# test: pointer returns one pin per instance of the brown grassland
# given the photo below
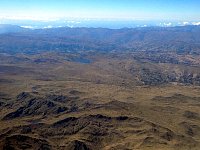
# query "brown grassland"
(48, 102)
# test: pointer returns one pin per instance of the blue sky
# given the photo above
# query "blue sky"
(187, 10)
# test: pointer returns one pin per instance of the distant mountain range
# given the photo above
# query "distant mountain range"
(6, 28)
(183, 39)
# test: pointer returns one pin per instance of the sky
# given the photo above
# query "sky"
(185, 10)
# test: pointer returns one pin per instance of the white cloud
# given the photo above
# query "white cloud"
(196, 23)
(144, 25)
(70, 26)
(48, 27)
(186, 23)
(167, 24)
(28, 27)
(73, 22)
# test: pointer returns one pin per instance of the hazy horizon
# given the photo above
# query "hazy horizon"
(51, 10)
(95, 13)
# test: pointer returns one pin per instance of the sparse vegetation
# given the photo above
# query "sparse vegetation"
(92, 89)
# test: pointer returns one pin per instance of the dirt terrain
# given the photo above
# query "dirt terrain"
(104, 104)
(87, 99)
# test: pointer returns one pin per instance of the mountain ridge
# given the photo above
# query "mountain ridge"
(184, 39)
